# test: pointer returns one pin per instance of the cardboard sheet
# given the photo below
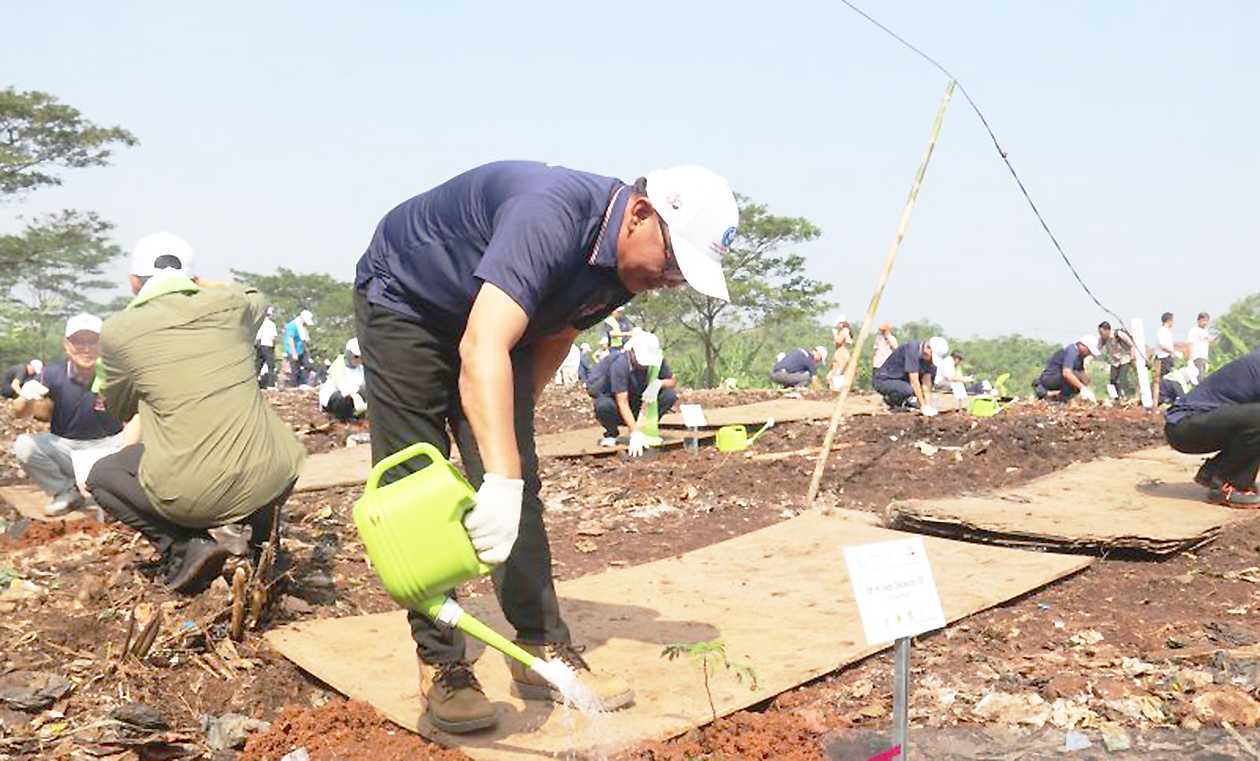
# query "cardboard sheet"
(30, 502)
(782, 410)
(779, 598)
(350, 466)
(1144, 501)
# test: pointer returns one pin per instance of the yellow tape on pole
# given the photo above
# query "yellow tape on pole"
(850, 371)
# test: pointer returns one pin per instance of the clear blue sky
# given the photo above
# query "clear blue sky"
(277, 134)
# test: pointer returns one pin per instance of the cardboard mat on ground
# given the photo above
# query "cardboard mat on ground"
(779, 598)
(1145, 501)
(782, 410)
(350, 466)
(30, 502)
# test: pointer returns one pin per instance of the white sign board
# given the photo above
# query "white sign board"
(959, 391)
(894, 588)
(693, 416)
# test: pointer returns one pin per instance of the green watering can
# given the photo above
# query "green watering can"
(734, 438)
(413, 532)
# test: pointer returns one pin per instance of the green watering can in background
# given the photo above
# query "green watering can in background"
(413, 532)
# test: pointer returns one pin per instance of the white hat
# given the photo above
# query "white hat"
(940, 347)
(352, 346)
(841, 318)
(646, 348)
(149, 248)
(1090, 340)
(37, 364)
(306, 317)
(822, 352)
(702, 215)
(83, 321)
(585, 347)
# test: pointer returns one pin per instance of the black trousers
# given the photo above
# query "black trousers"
(115, 485)
(412, 385)
(1053, 381)
(265, 356)
(609, 416)
(1121, 376)
(1232, 431)
(340, 407)
(894, 390)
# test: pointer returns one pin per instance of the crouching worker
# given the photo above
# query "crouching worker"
(1064, 376)
(1222, 415)
(80, 430)
(796, 369)
(341, 393)
(905, 378)
(181, 355)
(621, 388)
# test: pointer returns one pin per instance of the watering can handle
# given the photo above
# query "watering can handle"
(398, 458)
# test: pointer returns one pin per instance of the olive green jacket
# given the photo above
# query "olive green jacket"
(183, 357)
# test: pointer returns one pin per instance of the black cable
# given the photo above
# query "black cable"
(1005, 159)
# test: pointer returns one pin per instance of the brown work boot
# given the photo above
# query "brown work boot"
(613, 691)
(454, 699)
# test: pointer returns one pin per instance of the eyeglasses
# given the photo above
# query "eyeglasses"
(673, 272)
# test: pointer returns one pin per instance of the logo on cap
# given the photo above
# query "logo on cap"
(728, 237)
(674, 200)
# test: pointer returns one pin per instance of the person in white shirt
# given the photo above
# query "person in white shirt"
(1200, 341)
(1165, 348)
(567, 375)
(341, 394)
(265, 350)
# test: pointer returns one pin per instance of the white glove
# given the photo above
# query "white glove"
(33, 390)
(1087, 394)
(493, 524)
(929, 411)
(652, 391)
(638, 442)
(360, 404)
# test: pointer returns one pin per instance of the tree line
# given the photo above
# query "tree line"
(54, 266)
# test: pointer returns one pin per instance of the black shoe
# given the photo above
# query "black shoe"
(201, 560)
(1207, 477)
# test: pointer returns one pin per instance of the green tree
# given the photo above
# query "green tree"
(49, 271)
(39, 134)
(1239, 330)
(768, 287)
(329, 299)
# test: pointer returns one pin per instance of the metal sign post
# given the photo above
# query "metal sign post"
(901, 698)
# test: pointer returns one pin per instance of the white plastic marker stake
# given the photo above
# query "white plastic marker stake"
(1138, 330)
(1111, 391)
(960, 394)
(693, 418)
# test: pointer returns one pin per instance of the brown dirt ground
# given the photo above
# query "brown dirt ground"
(609, 511)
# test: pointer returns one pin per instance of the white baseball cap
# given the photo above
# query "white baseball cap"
(1090, 340)
(152, 247)
(646, 347)
(700, 210)
(841, 318)
(37, 364)
(307, 317)
(940, 347)
(822, 352)
(352, 346)
(83, 321)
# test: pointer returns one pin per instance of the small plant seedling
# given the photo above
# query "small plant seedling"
(708, 655)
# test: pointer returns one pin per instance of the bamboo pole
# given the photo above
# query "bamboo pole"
(851, 371)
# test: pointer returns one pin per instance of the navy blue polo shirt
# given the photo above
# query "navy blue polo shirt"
(625, 378)
(905, 360)
(78, 413)
(797, 361)
(1069, 356)
(1235, 383)
(528, 228)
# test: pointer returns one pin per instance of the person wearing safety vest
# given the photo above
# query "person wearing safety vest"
(617, 329)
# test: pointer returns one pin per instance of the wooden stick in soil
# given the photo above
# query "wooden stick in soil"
(864, 333)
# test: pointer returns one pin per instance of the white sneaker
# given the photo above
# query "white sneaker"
(63, 503)
(608, 441)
